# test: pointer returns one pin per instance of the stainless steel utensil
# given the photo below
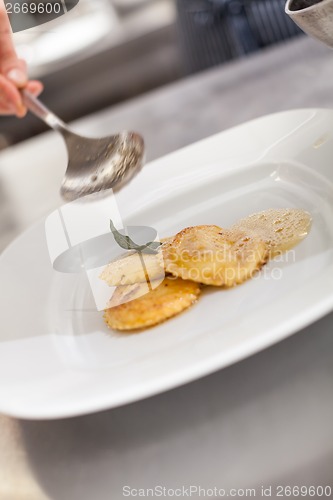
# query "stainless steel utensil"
(315, 17)
(93, 164)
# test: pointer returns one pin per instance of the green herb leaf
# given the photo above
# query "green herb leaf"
(128, 244)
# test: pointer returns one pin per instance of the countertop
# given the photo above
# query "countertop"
(264, 421)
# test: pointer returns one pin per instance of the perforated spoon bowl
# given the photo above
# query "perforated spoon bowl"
(93, 164)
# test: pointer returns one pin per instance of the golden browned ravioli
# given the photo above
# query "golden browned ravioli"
(215, 256)
(280, 228)
(134, 307)
(205, 254)
(135, 267)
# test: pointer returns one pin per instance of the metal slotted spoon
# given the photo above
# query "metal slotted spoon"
(93, 164)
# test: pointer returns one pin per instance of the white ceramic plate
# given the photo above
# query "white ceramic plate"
(58, 359)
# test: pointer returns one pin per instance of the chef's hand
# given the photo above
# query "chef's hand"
(13, 72)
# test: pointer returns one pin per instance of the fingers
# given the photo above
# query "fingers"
(11, 99)
(10, 65)
(13, 72)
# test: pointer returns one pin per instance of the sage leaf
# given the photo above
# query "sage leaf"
(128, 244)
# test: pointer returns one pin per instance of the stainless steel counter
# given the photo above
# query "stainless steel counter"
(264, 421)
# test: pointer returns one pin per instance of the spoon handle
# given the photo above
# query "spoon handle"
(41, 111)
